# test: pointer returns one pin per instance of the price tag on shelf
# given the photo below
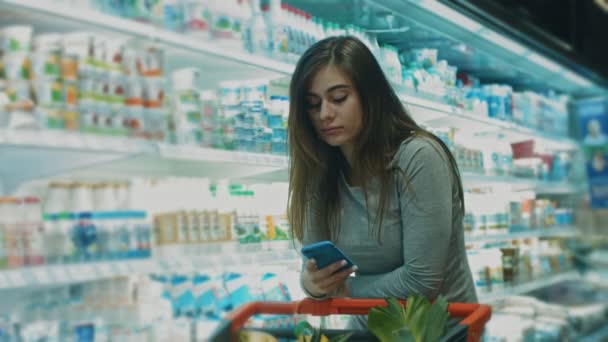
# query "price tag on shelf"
(16, 278)
(62, 275)
(87, 272)
(75, 273)
(105, 271)
(122, 268)
(3, 281)
(42, 276)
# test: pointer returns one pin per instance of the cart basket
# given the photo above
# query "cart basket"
(466, 320)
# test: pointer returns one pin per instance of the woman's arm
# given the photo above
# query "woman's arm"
(426, 213)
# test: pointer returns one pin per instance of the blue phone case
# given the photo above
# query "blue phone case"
(326, 253)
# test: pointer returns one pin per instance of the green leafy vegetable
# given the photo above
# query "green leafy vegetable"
(304, 330)
(382, 321)
(421, 321)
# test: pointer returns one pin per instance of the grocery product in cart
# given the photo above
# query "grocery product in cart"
(389, 320)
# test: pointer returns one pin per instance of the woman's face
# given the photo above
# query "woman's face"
(334, 107)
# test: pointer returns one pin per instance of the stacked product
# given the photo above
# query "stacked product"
(83, 82)
(493, 212)
(160, 307)
(517, 262)
(93, 222)
(238, 116)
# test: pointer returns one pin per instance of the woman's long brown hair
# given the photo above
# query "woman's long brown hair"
(315, 167)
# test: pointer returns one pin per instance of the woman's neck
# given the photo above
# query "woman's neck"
(347, 152)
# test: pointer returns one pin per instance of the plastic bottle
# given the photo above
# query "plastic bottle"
(277, 30)
(173, 12)
(13, 237)
(33, 232)
(197, 18)
(257, 37)
(3, 228)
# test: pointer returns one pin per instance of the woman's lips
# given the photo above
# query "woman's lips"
(331, 130)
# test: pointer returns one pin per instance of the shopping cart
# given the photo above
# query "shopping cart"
(466, 323)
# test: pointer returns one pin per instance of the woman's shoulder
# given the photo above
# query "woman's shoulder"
(418, 149)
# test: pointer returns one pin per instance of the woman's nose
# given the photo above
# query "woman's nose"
(326, 112)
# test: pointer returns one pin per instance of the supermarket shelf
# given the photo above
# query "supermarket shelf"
(28, 155)
(220, 63)
(437, 115)
(524, 288)
(472, 179)
(44, 154)
(563, 232)
(76, 273)
(210, 256)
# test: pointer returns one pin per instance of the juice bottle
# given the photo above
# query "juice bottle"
(33, 232)
(13, 237)
(3, 213)
(256, 40)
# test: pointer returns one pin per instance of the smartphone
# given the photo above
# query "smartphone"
(326, 253)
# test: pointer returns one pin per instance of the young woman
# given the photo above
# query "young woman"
(364, 175)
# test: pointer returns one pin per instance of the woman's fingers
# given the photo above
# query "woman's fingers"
(311, 265)
(328, 271)
(332, 282)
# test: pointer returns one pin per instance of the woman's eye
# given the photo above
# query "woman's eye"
(312, 105)
(340, 99)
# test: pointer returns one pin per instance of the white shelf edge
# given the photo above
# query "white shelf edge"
(537, 185)
(147, 31)
(449, 110)
(280, 253)
(559, 231)
(489, 297)
(218, 155)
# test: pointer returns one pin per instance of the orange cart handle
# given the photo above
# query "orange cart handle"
(475, 315)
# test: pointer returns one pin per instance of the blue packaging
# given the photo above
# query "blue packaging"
(84, 236)
(182, 298)
(273, 289)
(238, 289)
(206, 296)
(84, 333)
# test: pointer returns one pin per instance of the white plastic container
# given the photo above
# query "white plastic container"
(57, 198)
(16, 38)
(197, 18)
(33, 232)
(81, 198)
(257, 37)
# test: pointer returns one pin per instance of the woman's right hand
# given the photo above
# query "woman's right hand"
(322, 282)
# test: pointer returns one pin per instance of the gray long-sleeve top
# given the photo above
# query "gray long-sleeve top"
(421, 249)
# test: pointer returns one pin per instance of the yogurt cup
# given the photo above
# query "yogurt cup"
(134, 91)
(50, 117)
(154, 93)
(16, 38)
(47, 42)
(48, 91)
(45, 64)
(77, 47)
(57, 198)
(71, 118)
(70, 92)
(14, 66)
(185, 79)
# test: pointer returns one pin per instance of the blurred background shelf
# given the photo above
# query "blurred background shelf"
(473, 179)
(555, 232)
(220, 63)
(489, 297)
(198, 258)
